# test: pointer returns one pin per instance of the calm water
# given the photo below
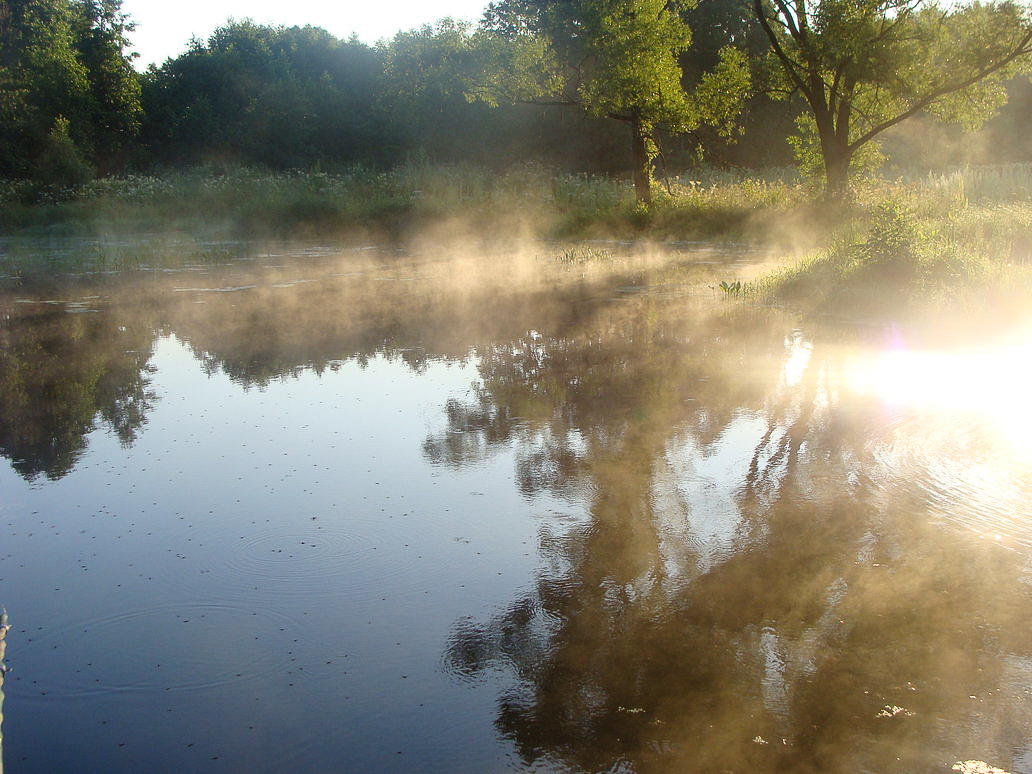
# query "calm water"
(349, 511)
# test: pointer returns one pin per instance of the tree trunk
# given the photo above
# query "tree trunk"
(836, 169)
(642, 172)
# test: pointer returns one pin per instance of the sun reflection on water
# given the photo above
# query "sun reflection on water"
(992, 385)
(960, 430)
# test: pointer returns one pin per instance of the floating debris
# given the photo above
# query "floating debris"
(976, 767)
(892, 710)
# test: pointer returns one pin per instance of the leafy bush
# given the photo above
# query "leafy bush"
(62, 163)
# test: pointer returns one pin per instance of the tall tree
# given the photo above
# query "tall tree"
(276, 96)
(453, 94)
(100, 32)
(65, 80)
(614, 58)
(863, 66)
(40, 79)
(765, 121)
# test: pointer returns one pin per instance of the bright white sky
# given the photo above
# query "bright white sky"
(164, 27)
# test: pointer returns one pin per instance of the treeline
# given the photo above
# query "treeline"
(537, 80)
(297, 97)
(69, 96)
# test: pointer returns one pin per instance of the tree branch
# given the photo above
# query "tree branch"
(1022, 48)
(775, 44)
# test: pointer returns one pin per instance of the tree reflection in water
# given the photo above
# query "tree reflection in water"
(74, 355)
(752, 591)
(64, 370)
(755, 586)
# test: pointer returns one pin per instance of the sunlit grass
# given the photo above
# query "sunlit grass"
(955, 243)
(961, 238)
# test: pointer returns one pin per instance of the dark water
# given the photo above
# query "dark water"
(348, 511)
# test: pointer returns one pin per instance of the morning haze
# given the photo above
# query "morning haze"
(606, 385)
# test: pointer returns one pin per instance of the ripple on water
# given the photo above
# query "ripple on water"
(966, 474)
(170, 647)
(354, 559)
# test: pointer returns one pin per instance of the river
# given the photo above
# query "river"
(324, 509)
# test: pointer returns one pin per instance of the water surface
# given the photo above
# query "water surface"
(351, 510)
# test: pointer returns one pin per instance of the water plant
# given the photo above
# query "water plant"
(584, 254)
(731, 288)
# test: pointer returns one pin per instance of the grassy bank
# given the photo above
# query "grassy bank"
(408, 200)
(952, 247)
(959, 241)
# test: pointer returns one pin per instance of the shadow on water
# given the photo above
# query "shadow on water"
(775, 570)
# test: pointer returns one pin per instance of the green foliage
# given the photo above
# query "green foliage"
(64, 58)
(730, 289)
(275, 96)
(891, 248)
(863, 66)
(61, 163)
(721, 91)
(806, 147)
(100, 31)
(618, 59)
(899, 260)
(633, 47)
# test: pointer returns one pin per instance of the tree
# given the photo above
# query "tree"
(453, 94)
(100, 38)
(64, 59)
(863, 66)
(276, 96)
(614, 58)
(427, 72)
(40, 77)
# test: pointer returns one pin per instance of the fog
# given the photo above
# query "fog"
(563, 507)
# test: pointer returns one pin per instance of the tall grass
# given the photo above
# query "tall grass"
(958, 242)
(246, 202)
(239, 200)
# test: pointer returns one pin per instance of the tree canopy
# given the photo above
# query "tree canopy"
(278, 96)
(672, 74)
(863, 66)
(617, 59)
(69, 96)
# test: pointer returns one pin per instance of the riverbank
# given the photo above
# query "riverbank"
(952, 251)
(958, 241)
(414, 199)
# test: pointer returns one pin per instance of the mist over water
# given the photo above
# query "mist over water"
(327, 510)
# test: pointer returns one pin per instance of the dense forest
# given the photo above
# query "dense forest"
(633, 87)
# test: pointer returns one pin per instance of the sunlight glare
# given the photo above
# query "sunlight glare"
(992, 382)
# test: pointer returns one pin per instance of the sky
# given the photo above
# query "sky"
(163, 28)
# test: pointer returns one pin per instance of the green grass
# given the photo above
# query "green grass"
(239, 202)
(247, 203)
(957, 240)
(955, 244)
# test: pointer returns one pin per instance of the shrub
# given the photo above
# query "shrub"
(62, 163)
